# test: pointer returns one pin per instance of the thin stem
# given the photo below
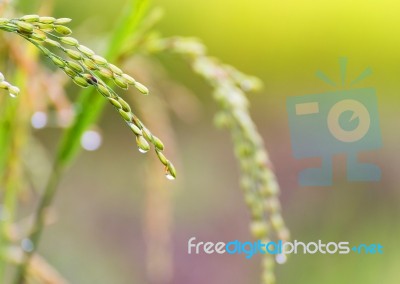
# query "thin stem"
(9, 204)
(17, 127)
(8, 197)
(40, 218)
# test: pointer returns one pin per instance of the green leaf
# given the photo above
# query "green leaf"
(90, 104)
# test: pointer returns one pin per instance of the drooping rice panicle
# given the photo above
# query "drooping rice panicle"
(86, 69)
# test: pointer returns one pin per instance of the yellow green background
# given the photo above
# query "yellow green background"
(99, 235)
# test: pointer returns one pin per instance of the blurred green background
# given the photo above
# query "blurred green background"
(99, 236)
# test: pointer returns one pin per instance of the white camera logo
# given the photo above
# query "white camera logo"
(359, 111)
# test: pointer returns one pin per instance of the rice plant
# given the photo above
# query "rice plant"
(94, 73)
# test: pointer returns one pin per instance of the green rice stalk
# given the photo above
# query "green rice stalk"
(258, 180)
